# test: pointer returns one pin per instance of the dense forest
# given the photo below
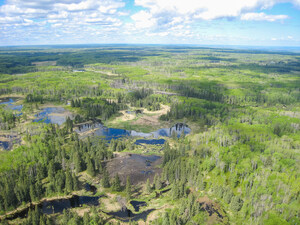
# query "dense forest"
(149, 135)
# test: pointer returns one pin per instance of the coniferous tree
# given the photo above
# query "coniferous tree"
(51, 171)
(105, 180)
(90, 168)
(38, 189)
(157, 182)
(128, 188)
(116, 184)
(74, 182)
(175, 191)
(148, 188)
(69, 183)
(77, 162)
(32, 193)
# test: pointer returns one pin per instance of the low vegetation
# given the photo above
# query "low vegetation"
(239, 164)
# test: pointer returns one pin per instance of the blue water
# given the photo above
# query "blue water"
(8, 140)
(5, 144)
(46, 116)
(164, 132)
(146, 172)
(138, 204)
(150, 141)
(9, 102)
(114, 133)
(58, 206)
(135, 112)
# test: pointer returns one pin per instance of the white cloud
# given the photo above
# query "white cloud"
(210, 9)
(143, 19)
(175, 16)
(262, 17)
(75, 20)
(161, 34)
(283, 38)
(56, 25)
(59, 9)
(10, 20)
(204, 9)
(59, 15)
(65, 21)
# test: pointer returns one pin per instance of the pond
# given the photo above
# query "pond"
(8, 140)
(113, 133)
(138, 111)
(5, 145)
(91, 188)
(137, 204)
(54, 115)
(176, 130)
(58, 205)
(10, 103)
(150, 141)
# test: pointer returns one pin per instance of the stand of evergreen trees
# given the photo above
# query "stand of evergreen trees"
(56, 157)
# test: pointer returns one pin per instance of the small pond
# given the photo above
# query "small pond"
(114, 133)
(91, 188)
(59, 205)
(150, 141)
(8, 140)
(54, 115)
(5, 145)
(137, 204)
(138, 111)
(10, 103)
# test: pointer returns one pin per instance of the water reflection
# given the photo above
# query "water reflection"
(10, 103)
(113, 133)
(54, 115)
(58, 205)
(138, 204)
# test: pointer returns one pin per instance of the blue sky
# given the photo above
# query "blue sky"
(202, 22)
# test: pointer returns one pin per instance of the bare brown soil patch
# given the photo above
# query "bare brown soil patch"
(151, 118)
(138, 167)
(109, 204)
(81, 211)
(124, 117)
(156, 213)
(147, 118)
(44, 63)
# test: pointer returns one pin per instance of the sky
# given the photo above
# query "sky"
(200, 22)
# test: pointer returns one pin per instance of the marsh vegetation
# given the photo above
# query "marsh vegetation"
(161, 135)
